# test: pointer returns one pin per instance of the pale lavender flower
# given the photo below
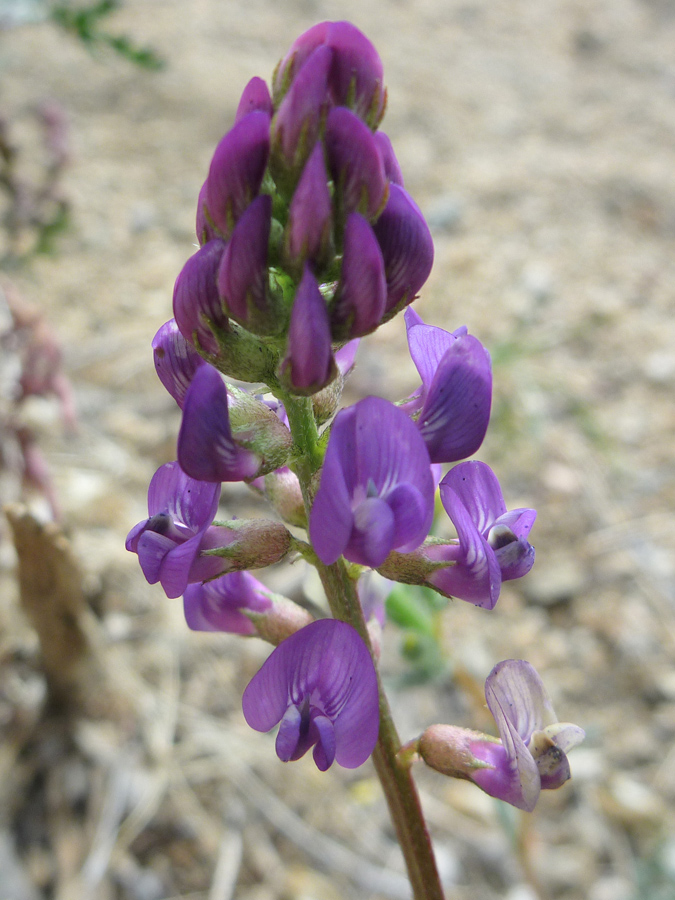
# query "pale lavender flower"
(218, 605)
(452, 406)
(320, 685)
(492, 545)
(176, 361)
(532, 754)
(168, 542)
(376, 490)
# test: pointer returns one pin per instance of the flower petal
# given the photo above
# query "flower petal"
(477, 488)
(372, 535)
(187, 500)
(206, 449)
(176, 361)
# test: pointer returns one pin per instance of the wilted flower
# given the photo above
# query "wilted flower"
(376, 491)
(453, 403)
(321, 685)
(530, 755)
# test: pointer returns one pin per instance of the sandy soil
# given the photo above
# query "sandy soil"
(539, 138)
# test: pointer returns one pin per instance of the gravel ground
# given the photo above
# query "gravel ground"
(539, 140)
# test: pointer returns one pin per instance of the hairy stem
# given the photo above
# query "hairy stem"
(396, 779)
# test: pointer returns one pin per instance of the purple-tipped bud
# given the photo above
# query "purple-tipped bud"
(218, 605)
(206, 449)
(296, 124)
(376, 491)
(356, 76)
(169, 541)
(320, 685)
(176, 361)
(391, 167)
(309, 217)
(362, 292)
(204, 224)
(242, 277)
(237, 170)
(308, 365)
(196, 298)
(255, 98)
(407, 248)
(530, 755)
(355, 164)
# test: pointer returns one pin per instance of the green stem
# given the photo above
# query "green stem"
(396, 778)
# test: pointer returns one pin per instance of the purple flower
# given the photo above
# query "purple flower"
(196, 298)
(168, 542)
(237, 170)
(176, 361)
(309, 216)
(207, 450)
(362, 292)
(492, 544)
(455, 398)
(355, 77)
(217, 605)
(407, 248)
(532, 754)
(376, 492)
(308, 365)
(355, 164)
(255, 98)
(391, 167)
(321, 685)
(242, 277)
(203, 225)
(295, 127)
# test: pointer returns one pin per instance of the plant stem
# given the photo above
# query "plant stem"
(396, 779)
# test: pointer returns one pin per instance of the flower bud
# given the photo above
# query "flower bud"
(255, 98)
(242, 276)
(204, 225)
(308, 365)
(407, 248)
(195, 297)
(296, 124)
(247, 543)
(308, 231)
(391, 167)
(355, 165)
(362, 292)
(283, 491)
(237, 170)
(279, 621)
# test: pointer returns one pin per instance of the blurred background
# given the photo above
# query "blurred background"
(539, 140)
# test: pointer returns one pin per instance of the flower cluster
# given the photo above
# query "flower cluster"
(309, 241)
